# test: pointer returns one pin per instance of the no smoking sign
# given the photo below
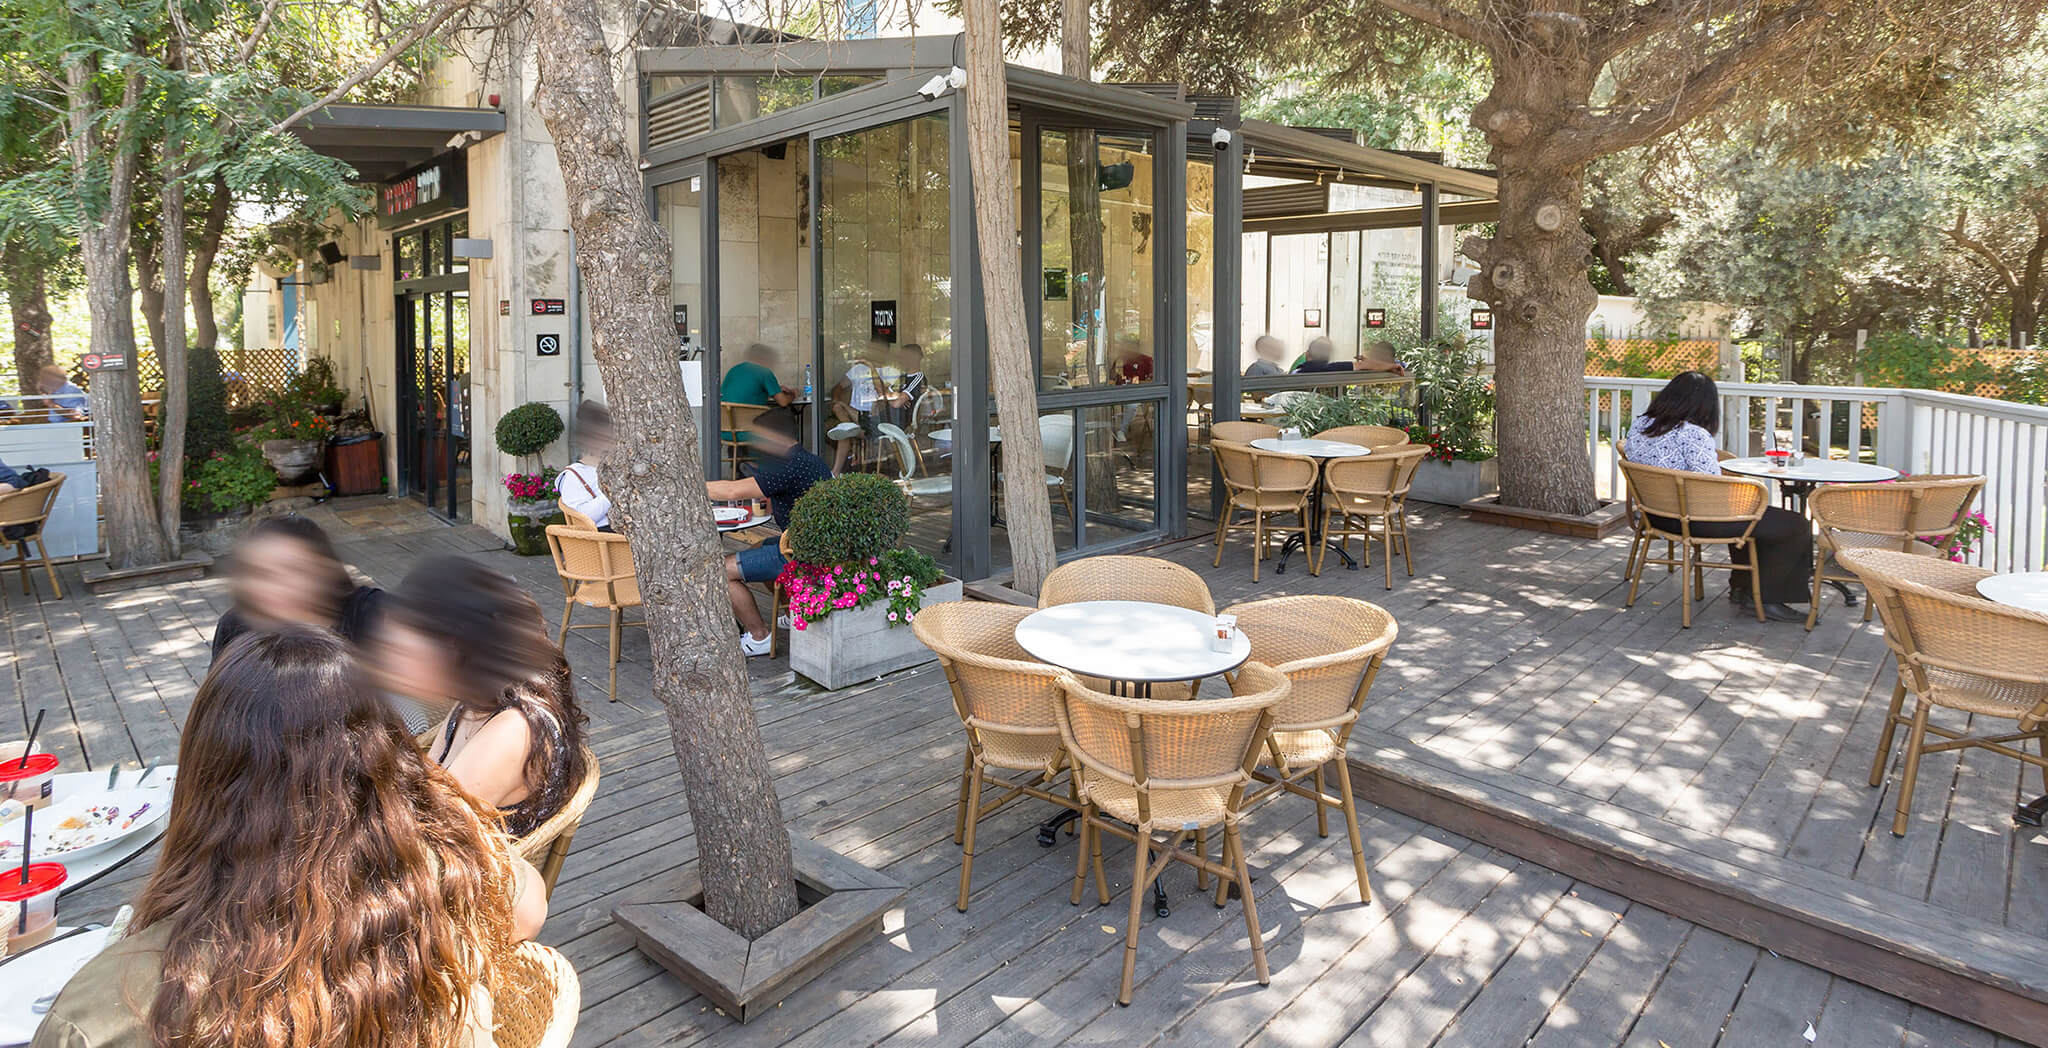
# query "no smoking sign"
(548, 345)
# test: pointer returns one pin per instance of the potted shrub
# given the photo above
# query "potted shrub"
(315, 386)
(852, 587)
(525, 431)
(293, 437)
(220, 489)
(529, 508)
(1454, 416)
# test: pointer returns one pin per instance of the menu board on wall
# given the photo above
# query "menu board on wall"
(438, 186)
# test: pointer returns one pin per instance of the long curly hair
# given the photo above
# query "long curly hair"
(506, 659)
(322, 882)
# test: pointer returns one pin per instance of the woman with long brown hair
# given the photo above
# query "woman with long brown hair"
(322, 883)
(466, 637)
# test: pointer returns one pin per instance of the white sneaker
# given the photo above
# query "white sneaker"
(782, 621)
(754, 647)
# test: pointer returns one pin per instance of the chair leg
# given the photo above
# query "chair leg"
(1911, 778)
(562, 635)
(1322, 810)
(1202, 850)
(1756, 584)
(1685, 584)
(1081, 856)
(21, 565)
(966, 776)
(1407, 554)
(1142, 857)
(1635, 578)
(1223, 883)
(1820, 564)
(1387, 545)
(1891, 729)
(1222, 532)
(1251, 906)
(1868, 604)
(1258, 549)
(51, 569)
(1351, 827)
(1095, 857)
(612, 694)
(967, 842)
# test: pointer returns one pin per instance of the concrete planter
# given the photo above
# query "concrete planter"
(294, 460)
(1456, 482)
(848, 647)
(527, 523)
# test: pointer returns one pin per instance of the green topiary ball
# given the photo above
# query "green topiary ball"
(528, 429)
(848, 519)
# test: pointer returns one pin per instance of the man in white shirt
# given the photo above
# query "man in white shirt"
(578, 485)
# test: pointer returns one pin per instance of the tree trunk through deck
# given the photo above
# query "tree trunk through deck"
(133, 538)
(655, 477)
(170, 354)
(1533, 273)
(28, 302)
(1026, 507)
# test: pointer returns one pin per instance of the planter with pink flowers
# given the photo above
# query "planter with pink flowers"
(852, 590)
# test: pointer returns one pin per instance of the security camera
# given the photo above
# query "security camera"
(1220, 138)
(934, 87)
(956, 78)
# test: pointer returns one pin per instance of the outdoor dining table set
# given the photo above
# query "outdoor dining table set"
(1165, 719)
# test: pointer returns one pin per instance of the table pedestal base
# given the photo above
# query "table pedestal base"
(2032, 812)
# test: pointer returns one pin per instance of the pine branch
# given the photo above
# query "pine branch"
(1456, 23)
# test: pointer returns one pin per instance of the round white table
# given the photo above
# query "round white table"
(1133, 644)
(2026, 590)
(1811, 472)
(945, 436)
(1322, 451)
(1258, 411)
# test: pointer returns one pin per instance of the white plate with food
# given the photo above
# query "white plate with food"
(40, 973)
(80, 824)
(730, 515)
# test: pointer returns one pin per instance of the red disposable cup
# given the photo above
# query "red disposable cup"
(37, 895)
(31, 782)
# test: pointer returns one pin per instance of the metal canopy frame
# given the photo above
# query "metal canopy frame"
(381, 141)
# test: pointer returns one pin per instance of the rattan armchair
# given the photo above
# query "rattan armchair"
(1361, 492)
(575, 518)
(1330, 649)
(1126, 578)
(1374, 437)
(1265, 484)
(1689, 499)
(29, 508)
(596, 568)
(1008, 703)
(1896, 516)
(546, 846)
(1955, 650)
(1242, 432)
(1154, 766)
(538, 1002)
(734, 423)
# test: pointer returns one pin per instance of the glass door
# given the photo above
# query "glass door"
(433, 395)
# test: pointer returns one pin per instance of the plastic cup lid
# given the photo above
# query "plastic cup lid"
(38, 764)
(42, 877)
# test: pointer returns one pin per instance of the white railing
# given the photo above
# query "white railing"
(1911, 430)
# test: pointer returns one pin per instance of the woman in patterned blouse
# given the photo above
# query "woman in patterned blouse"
(1677, 432)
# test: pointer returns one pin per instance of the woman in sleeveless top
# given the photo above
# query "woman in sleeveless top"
(467, 637)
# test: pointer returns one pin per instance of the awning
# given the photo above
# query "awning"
(380, 141)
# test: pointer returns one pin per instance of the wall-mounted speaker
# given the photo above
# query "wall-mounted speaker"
(330, 253)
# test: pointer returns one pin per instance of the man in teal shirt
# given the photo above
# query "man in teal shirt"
(753, 381)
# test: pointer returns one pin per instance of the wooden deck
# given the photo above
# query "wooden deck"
(1515, 660)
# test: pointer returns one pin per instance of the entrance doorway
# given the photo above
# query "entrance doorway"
(433, 400)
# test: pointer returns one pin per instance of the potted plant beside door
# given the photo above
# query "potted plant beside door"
(525, 431)
(852, 586)
(293, 437)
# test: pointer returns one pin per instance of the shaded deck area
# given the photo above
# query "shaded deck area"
(1517, 675)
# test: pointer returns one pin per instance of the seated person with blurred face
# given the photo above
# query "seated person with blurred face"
(1269, 350)
(786, 471)
(66, 401)
(1320, 350)
(1379, 356)
(578, 485)
(753, 381)
(909, 386)
(854, 400)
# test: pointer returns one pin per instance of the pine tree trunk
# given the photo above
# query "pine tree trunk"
(170, 355)
(1533, 273)
(656, 479)
(205, 323)
(1027, 509)
(133, 538)
(28, 300)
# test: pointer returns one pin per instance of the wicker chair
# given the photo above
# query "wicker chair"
(734, 420)
(1242, 432)
(29, 508)
(1330, 649)
(1126, 578)
(1957, 651)
(1884, 516)
(1158, 766)
(1007, 701)
(1374, 437)
(1264, 484)
(539, 1001)
(596, 568)
(1694, 498)
(1357, 492)
(547, 845)
(575, 519)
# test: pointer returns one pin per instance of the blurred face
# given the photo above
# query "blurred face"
(280, 580)
(910, 362)
(50, 381)
(596, 441)
(410, 662)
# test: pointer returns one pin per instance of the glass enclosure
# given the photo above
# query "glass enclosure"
(432, 313)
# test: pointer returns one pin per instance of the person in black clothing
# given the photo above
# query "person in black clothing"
(785, 472)
(285, 570)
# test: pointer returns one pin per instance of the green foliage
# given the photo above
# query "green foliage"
(315, 383)
(287, 417)
(206, 421)
(528, 429)
(1453, 395)
(224, 481)
(848, 519)
(1316, 412)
